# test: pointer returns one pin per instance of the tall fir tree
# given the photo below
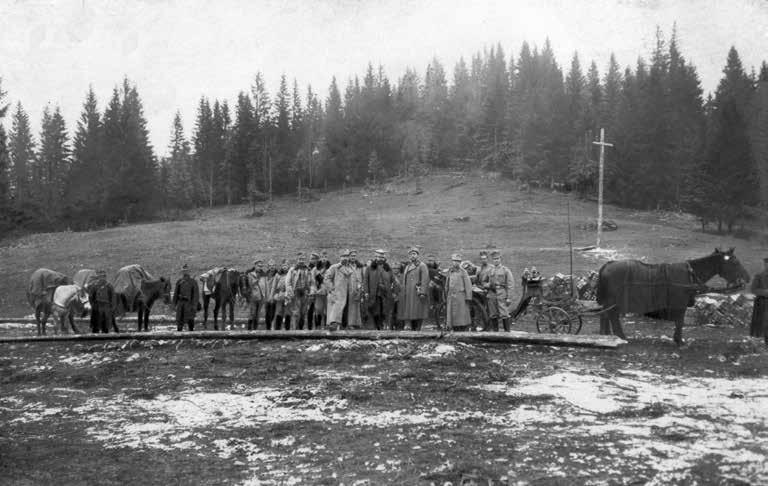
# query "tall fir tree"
(87, 181)
(22, 153)
(5, 187)
(52, 162)
(179, 167)
(729, 168)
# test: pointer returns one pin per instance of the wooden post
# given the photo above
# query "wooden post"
(570, 245)
(602, 145)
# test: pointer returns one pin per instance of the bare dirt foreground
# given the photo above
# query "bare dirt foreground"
(400, 412)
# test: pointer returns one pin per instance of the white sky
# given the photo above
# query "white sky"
(178, 50)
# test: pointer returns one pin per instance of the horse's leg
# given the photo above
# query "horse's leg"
(216, 307)
(605, 323)
(44, 319)
(679, 319)
(232, 311)
(147, 309)
(206, 302)
(618, 330)
(38, 320)
(72, 323)
(140, 314)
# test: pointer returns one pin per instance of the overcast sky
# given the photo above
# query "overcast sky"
(178, 50)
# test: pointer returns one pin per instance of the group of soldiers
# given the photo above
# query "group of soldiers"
(313, 293)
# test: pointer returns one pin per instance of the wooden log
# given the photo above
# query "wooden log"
(514, 337)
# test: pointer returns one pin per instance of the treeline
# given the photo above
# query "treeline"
(522, 115)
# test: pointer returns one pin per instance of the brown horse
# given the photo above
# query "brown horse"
(42, 284)
(224, 295)
(662, 291)
(136, 290)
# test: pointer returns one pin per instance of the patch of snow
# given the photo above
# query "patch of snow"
(432, 351)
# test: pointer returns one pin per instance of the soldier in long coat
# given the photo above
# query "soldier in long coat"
(186, 299)
(458, 294)
(414, 303)
(258, 290)
(102, 297)
(499, 282)
(378, 290)
(279, 296)
(344, 288)
(759, 287)
(297, 286)
(362, 297)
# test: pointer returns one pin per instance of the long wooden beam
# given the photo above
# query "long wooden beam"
(514, 337)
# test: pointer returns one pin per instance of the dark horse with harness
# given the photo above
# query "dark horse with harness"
(661, 291)
(137, 290)
(224, 294)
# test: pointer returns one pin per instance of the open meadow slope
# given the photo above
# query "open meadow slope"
(441, 213)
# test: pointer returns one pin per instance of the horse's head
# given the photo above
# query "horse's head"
(82, 302)
(729, 267)
(165, 290)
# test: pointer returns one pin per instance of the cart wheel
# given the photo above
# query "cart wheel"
(554, 320)
(576, 324)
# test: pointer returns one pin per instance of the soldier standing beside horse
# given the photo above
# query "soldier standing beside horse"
(102, 297)
(759, 287)
(378, 288)
(186, 299)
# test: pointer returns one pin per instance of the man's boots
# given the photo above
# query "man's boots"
(494, 327)
(506, 324)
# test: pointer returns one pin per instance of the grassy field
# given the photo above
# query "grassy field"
(395, 412)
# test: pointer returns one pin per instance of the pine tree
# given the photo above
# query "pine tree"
(240, 157)
(203, 157)
(22, 153)
(729, 166)
(52, 162)
(5, 189)
(261, 146)
(86, 183)
(179, 167)
(759, 133)
(335, 138)
(283, 153)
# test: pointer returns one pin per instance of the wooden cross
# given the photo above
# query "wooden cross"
(602, 143)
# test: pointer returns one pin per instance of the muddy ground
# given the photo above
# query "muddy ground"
(396, 412)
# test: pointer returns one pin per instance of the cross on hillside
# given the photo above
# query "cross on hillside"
(602, 143)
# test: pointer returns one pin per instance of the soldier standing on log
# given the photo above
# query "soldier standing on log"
(759, 287)
(414, 303)
(378, 289)
(297, 283)
(318, 291)
(282, 315)
(458, 294)
(257, 298)
(314, 260)
(186, 299)
(499, 282)
(102, 297)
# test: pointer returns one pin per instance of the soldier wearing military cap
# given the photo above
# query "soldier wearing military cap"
(102, 297)
(499, 283)
(186, 299)
(297, 286)
(458, 294)
(759, 287)
(413, 305)
(318, 292)
(378, 284)
(343, 285)
(256, 293)
(280, 297)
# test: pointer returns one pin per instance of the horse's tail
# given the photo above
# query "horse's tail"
(602, 285)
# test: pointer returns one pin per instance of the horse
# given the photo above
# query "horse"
(68, 300)
(661, 291)
(42, 285)
(137, 290)
(224, 294)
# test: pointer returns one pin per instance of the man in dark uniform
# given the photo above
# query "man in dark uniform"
(102, 297)
(760, 307)
(186, 299)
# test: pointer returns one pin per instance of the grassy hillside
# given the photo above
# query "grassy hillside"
(442, 213)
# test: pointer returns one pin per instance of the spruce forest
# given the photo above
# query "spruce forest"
(519, 114)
